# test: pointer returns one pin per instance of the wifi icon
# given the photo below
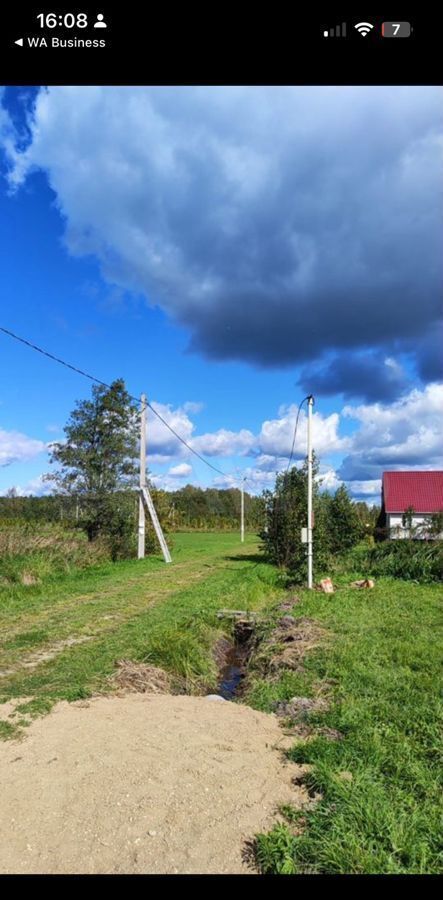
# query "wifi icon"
(364, 28)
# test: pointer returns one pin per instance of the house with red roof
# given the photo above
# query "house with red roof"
(419, 494)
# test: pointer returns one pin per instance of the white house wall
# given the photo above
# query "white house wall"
(394, 523)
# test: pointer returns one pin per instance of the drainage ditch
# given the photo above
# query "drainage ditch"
(233, 659)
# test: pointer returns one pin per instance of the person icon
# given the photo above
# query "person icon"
(100, 23)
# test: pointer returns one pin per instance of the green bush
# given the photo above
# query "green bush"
(408, 559)
(337, 524)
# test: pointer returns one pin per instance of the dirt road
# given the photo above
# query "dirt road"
(141, 784)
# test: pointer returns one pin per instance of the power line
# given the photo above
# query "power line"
(57, 359)
(184, 442)
(67, 365)
(295, 433)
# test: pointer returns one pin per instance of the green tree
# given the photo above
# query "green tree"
(97, 463)
(368, 516)
(344, 524)
(407, 520)
(286, 515)
(433, 525)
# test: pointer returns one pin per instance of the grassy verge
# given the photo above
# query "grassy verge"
(382, 671)
(165, 615)
(410, 560)
(32, 552)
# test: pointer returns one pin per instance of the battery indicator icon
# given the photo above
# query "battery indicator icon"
(396, 29)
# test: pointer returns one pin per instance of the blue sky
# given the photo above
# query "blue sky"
(226, 250)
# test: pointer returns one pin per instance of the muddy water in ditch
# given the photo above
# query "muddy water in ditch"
(233, 669)
(233, 672)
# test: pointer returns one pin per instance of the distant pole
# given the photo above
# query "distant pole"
(310, 405)
(141, 507)
(242, 516)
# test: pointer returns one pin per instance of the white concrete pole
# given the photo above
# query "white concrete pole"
(242, 516)
(141, 506)
(310, 405)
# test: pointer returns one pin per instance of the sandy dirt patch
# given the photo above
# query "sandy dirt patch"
(142, 784)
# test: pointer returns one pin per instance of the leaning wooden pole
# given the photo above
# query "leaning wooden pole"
(145, 501)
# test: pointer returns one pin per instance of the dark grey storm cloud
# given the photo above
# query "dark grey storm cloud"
(276, 224)
(371, 376)
(430, 354)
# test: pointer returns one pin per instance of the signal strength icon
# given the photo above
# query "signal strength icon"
(364, 28)
(338, 31)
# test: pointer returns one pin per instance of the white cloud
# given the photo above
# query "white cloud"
(406, 434)
(166, 482)
(36, 487)
(161, 443)
(180, 471)
(270, 447)
(17, 447)
(192, 407)
(367, 489)
(256, 480)
(276, 435)
(329, 480)
(225, 443)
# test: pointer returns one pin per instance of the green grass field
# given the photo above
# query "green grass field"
(143, 610)
(379, 667)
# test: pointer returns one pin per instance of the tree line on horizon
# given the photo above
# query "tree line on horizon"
(95, 472)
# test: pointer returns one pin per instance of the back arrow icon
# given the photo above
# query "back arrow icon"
(19, 42)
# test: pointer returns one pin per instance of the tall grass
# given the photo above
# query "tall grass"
(409, 560)
(381, 809)
(30, 552)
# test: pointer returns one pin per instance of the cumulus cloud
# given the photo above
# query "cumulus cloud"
(166, 482)
(407, 434)
(17, 447)
(180, 471)
(225, 443)
(36, 487)
(329, 480)
(162, 445)
(276, 435)
(270, 447)
(276, 223)
(367, 490)
(255, 480)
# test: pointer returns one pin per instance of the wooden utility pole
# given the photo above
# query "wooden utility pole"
(145, 499)
(141, 506)
(157, 527)
(310, 405)
(242, 514)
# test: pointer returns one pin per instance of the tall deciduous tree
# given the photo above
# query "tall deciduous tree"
(97, 461)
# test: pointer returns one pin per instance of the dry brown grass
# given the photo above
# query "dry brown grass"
(141, 677)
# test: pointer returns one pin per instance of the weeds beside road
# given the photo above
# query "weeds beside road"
(381, 783)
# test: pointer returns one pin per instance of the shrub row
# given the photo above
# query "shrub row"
(411, 560)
